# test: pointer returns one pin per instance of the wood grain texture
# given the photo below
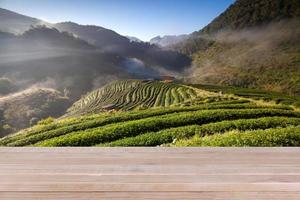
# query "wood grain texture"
(149, 173)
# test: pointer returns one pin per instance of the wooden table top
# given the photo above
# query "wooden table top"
(149, 173)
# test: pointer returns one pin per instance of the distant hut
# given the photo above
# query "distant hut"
(110, 107)
(148, 80)
(167, 79)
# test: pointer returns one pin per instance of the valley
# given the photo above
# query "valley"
(234, 82)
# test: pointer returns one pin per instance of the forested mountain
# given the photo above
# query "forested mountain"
(51, 37)
(252, 44)
(72, 59)
(46, 56)
(42, 53)
(245, 14)
(109, 41)
(104, 39)
(71, 52)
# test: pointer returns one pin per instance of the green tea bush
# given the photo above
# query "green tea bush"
(172, 134)
(133, 128)
(62, 128)
(289, 136)
(46, 121)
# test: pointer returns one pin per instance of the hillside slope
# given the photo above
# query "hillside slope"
(67, 53)
(267, 58)
(252, 44)
(46, 56)
(166, 126)
(109, 41)
(96, 35)
(135, 94)
(22, 109)
(244, 14)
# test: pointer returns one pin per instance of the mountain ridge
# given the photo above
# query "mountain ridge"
(168, 40)
(252, 44)
(16, 23)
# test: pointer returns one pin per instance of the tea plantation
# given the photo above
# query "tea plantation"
(165, 114)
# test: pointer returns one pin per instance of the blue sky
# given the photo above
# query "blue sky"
(144, 19)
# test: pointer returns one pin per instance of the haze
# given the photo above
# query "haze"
(139, 18)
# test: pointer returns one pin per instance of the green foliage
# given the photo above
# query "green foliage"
(253, 94)
(269, 59)
(46, 121)
(241, 15)
(133, 128)
(274, 137)
(253, 44)
(173, 134)
(133, 94)
(201, 115)
(244, 13)
(66, 126)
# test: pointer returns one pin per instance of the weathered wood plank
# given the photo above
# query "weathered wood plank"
(150, 187)
(150, 195)
(204, 178)
(142, 150)
(149, 173)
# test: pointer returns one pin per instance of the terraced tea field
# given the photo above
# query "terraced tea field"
(135, 94)
(253, 94)
(192, 120)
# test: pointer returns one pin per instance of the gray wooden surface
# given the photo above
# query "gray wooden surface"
(149, 173)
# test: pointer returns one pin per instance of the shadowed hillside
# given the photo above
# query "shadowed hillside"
(109, 41)
(252, 44)
(265, 58)
(245, 14)
(67, 53)
(22, 109)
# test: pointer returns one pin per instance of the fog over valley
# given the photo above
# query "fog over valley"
(207, 68)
